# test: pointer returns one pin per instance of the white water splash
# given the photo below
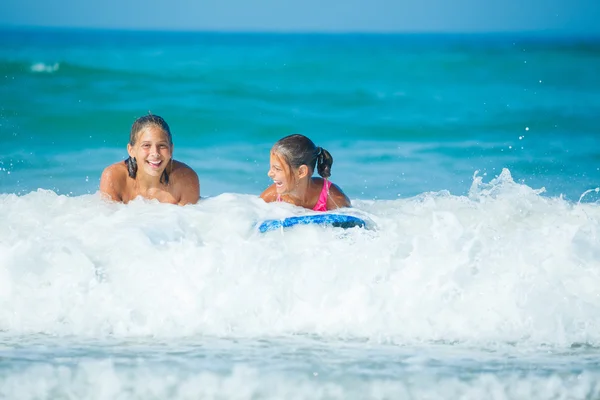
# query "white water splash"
(504, 264)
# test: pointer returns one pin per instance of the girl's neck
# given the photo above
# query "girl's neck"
(303, 194)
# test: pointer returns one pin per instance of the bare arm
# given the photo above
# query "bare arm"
(337, 198)
(270, 194)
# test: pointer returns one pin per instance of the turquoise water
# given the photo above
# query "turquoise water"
(474, 158)
(401, 114)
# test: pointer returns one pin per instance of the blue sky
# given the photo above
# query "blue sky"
(562, 16)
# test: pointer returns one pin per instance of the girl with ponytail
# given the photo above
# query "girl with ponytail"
(292, 164)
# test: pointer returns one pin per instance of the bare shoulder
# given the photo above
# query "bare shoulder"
(186, 183)
(182, 171)
(116, 170)
(113, 180)
(270, 194)
(337, 198)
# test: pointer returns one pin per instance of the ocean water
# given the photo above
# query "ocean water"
(475, 160)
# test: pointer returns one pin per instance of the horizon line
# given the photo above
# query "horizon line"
(531, 32)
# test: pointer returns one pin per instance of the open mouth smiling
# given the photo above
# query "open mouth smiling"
(155, 164)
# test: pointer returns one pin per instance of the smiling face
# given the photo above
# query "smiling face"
(152, 150)
(281, 174)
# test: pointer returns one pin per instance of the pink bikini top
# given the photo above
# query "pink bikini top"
(322, 202)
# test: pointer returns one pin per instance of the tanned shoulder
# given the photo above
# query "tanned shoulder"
(186, 182)
(337, 198)
(270, 194)
(113, 181)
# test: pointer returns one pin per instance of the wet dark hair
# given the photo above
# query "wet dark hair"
(299, 150)
(140, 124)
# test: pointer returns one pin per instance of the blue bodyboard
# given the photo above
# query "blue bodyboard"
(334, 220)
